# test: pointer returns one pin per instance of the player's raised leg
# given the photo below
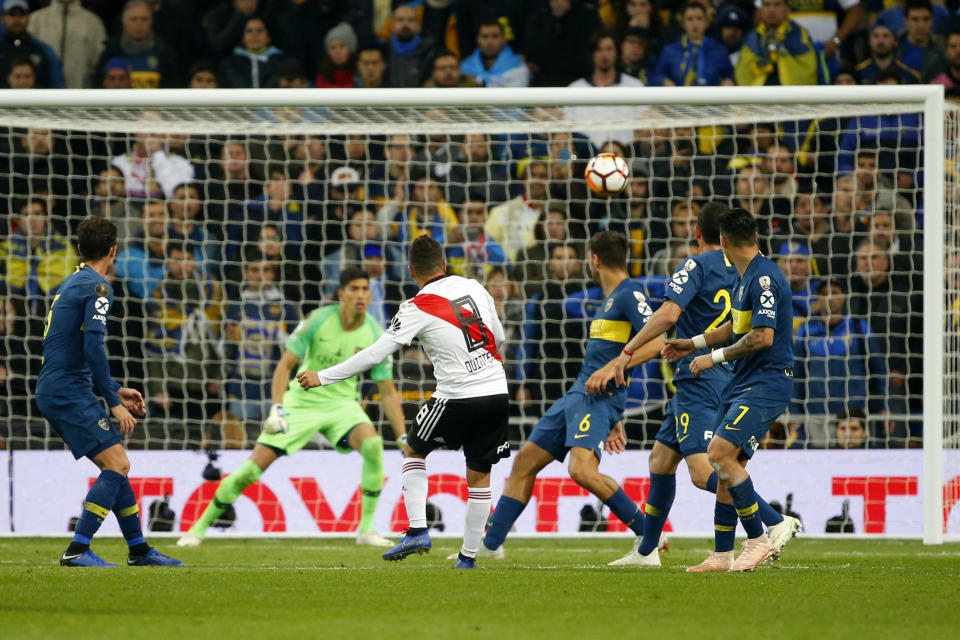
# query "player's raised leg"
(530, 460)
(227, 493)
(365, 440)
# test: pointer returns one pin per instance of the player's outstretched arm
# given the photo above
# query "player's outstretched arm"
(597, 382)
(682, 347)
(132, 400)
(358, 363)
(757, 340)
(658, 324)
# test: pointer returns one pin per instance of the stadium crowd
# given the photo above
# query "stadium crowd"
(227, 242)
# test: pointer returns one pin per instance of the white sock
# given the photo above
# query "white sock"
(415, 491)
(478, 510)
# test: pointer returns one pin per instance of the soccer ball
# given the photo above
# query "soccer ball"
(607, 174)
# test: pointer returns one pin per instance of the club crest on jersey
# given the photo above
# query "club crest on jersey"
(103, 424)
(609, 305)
(689, 265)
(765, 283)
(101, 290)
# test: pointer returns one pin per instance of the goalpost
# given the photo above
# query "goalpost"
(330, 153)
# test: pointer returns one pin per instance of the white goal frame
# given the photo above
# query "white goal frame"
(928, 99)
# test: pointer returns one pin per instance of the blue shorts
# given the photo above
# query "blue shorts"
(692, 417)
(81, 422)
(747, 421)
(575, 420)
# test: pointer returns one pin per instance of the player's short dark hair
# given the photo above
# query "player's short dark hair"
(95, 237)
(291, 70)
(708, 220)
(29, 202)
(426, 255)
(445, 53)
(349, 274)
(611, 248)
(202, 65)
(490, 22)
(21, 60)
(692, 4)
(739, 227)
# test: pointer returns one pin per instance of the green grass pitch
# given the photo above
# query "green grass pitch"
(546, 588)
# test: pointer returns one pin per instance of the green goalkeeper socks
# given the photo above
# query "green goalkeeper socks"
(227, 493)
(371, 480)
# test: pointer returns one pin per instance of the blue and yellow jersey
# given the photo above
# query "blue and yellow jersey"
(763, 299)
(782, 56)
(38, 269)
(621, 314)
(82, 305)
(703, 288)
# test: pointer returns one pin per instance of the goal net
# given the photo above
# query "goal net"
(238, 210)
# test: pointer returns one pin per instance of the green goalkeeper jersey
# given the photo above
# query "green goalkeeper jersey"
(320, 342)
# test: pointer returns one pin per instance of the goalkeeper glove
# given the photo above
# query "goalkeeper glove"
(276, 422)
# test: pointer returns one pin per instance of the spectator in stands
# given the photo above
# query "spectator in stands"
(493, 63)
(36, 258)
(109, 200)
(338, 66)
(17, 41)
(300, 280)
(409, 53)
(895, 16)
(752, 190)
(604, 73)
(470, 251)
(225, 23)
(253, 63)
(371, 68)
(141, 263)
(639, 14)
(883, 55)
(552, 349)
(116, 74)
(480, 174)
(646, 233)
(831, 24)
(362, 230)
(850, 430)
(150, 169)
(77, 37)
(446, 73)
(153, 63)
(810, 225)
(513, 223)
(695, 59)
(530, 266)
(230, 186)
(950, 77)
(683, 217)
(184, 210)
(426, 212)
(554, 41)
(732, 24)
(22, 74)
(778, 162)
(778, 52)
(301, 25)
(893, 308)
(388, 180)
(20, 348)
(183, 329)
(38, 163)
(919, 48)
(203, 75)
(904, 248)
(509, 309)
(795, 262)
(895, 136)
(875, 191)
(636, 57)
(473, 14)
(255, 327)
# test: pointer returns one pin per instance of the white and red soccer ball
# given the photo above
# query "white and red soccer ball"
(607, 174)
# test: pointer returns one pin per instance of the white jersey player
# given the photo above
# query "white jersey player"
(456, 322)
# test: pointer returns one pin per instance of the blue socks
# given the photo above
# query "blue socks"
(745, 502)
(100, 500)
(768, 515)
(627, 510)
(506, 513)
(663, 488)
(128, 516)
(712, 482)
(724, 526)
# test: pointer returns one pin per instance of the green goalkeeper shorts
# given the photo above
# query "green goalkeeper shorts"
(334, 421)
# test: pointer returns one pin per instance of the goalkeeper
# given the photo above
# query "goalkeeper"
(327, 336)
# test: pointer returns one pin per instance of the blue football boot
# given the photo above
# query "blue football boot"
(463, 562)
(419, 543)
(153, 559)
(86, 559)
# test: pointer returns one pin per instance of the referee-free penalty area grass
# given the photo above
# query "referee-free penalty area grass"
(546, 588)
